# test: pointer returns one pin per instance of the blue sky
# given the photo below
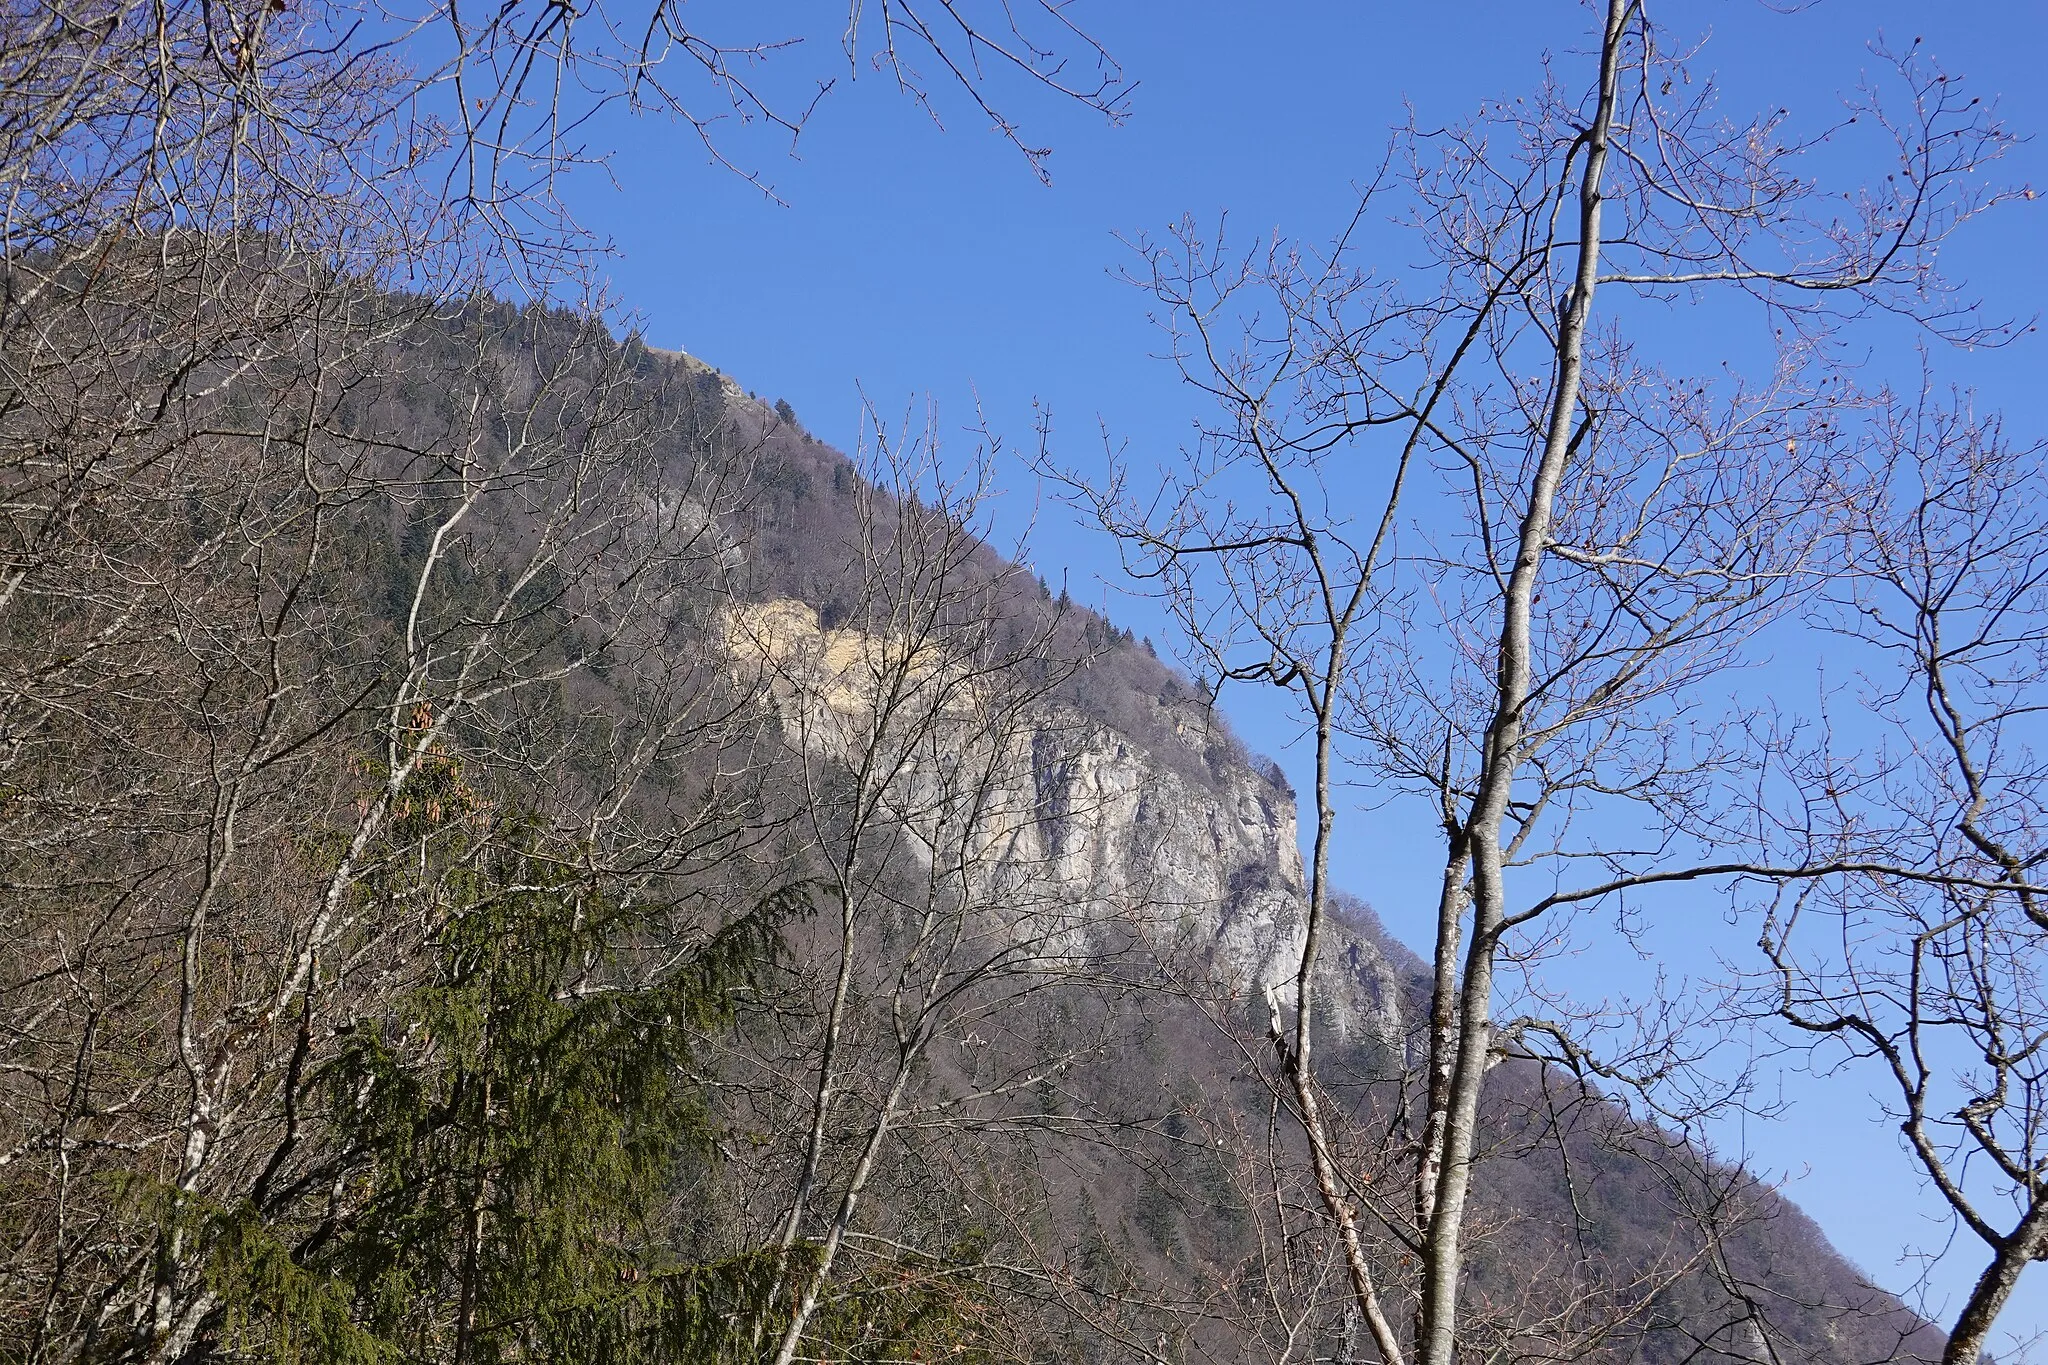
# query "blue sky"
(909, 262)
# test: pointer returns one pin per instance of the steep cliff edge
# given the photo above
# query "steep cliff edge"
(1204, 854)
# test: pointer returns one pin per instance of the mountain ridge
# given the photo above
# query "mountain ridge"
(1229, 856)
(900, 983)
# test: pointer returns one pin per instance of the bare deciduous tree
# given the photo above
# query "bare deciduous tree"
(1927, 968)
(920, 1010)
(1507, 612)
(320, 564)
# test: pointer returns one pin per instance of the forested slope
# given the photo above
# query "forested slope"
(513, 851)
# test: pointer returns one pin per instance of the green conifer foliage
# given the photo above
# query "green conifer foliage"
(511, 1142)
(510, 1134)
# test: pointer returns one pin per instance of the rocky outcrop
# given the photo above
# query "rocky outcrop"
(1204, 857)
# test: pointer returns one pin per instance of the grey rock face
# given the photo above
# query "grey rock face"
(1215, 858)
(1202, 856)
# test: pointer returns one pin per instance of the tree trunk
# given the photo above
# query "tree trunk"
(1444, 1249)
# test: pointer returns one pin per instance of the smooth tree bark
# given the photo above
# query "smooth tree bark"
(1493, 550)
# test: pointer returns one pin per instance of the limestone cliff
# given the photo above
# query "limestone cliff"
(1205, 856)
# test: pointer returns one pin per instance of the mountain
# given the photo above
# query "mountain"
(518, 851)
(1143, 798)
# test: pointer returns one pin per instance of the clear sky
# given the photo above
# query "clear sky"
(908, 262)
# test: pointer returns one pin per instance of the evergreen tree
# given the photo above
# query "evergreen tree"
(507, 1137)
